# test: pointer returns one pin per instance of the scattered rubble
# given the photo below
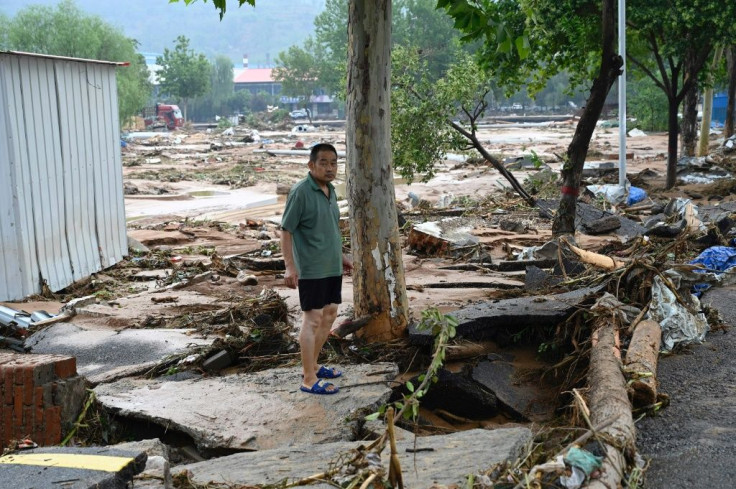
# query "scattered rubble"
(193, 334)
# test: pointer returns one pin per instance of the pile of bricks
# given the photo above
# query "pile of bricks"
(33, 393)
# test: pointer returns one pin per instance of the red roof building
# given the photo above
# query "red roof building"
(257, 80)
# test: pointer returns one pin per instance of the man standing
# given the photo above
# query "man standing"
(311, 243)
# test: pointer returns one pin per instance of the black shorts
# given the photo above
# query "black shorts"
(316, 293)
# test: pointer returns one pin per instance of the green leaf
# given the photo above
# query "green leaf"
(522, 47)
(505, 46)
(372, 416)
(410, 386)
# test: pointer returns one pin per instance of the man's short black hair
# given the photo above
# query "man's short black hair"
(320, 147)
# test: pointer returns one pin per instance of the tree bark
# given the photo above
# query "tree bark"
(731, 105)
(672, 130)
(708, 105)
(608, 400)
(641, 362)
(690, 121)
(378, 275)
(572, 169)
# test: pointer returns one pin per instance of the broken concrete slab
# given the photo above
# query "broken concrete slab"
(439, 238)
(516, 265)
(522, 400)
(597, 169)
(256, 411)
(456, 394)
(537, 279)
(426, 462)
(217, 362)
(586, 213)
(603, 225)
(485, 319)
(157, 473)
(104, 354)
(71, 468)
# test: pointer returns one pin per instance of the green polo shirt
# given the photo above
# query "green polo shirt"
(312, 219)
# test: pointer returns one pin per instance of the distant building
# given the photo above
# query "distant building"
(257, 80)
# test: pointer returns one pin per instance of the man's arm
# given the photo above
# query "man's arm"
(347, 264)
(291, 277)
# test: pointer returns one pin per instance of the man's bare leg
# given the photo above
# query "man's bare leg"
(329, 313)
(308, 337)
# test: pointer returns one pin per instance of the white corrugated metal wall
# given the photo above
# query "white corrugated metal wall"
(61, 192)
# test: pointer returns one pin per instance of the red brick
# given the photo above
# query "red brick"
(3, 412)
(28, 394)
(39, 417)
(18, 402)
(48, 394)
(24, 375)
(38, 396)
(28, 417)
(8, 422)
(65, 367)
(52, 417)
(8, 418)
(8, 386)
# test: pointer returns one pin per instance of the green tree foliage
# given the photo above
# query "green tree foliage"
(67, 31)
(415, 23)
(331, 39)
(218, 99)
(527, 42)
(671, 42)
(421, 106)
(184, 74)
(298, 69)
(647, 103)
(220, 5)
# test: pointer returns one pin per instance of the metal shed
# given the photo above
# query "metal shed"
(62, 214)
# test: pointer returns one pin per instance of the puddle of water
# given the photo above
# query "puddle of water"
(206, 193)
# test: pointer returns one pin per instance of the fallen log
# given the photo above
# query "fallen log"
(608, 399)
(595, 259)
(467, 349)
(350, 326)
(641, 362)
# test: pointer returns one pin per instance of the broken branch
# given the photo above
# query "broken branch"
(641, 362)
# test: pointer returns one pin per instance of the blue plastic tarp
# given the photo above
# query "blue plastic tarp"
(636, 194)
(716, 259)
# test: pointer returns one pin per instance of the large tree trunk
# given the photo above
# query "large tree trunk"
(572, 168)
(731, 107)
(690, 121)
(672, 129)
(708, 104)
(378, 276)
(609, 402)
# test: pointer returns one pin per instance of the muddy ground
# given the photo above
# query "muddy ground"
(207, 205)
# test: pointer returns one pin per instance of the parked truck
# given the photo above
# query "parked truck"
(162, 116)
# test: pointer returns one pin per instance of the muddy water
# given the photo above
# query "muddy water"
(524, 358)
(195, 204)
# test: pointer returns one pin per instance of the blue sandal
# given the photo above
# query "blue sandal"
(328, 373)
(320, 387)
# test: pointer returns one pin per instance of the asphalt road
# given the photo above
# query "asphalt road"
(692, 443)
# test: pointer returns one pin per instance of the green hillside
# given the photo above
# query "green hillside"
(260, 32)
